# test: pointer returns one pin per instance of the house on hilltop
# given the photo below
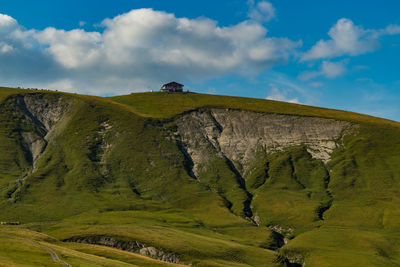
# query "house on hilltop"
(172, 87)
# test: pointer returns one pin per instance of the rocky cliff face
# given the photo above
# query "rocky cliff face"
(223, 146)
(238, 135)
(48, 111)
(31, 120)
(131, 246)
(43, 113)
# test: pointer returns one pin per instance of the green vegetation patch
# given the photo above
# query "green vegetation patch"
(113, 167)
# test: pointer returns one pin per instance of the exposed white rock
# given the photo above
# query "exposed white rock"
(44, 113)
(34, 143)
(238, 135)
(131, 246)
(47, 111)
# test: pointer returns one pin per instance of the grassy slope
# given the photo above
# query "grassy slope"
(363, 181)
(21, 247)
(165, 105)
(69, 180)
(143, 192)
(9, 172)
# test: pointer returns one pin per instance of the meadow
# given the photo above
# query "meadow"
(110, 168)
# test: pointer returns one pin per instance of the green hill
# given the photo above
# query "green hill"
(165, 179)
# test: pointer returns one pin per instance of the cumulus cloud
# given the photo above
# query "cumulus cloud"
(348, 39)
(281, 95)
(7, 24)
(137, 50)
(262, 11)
(72, 49)
(328, 69)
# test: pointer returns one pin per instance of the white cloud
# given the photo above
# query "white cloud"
(72, 49)
(281, 95)
(5, 48)
(137, 50)
(348, 39)
(391, 30)
(328, 69)
(82, 23)
(262, 11)
(333, 69)
(7, 24)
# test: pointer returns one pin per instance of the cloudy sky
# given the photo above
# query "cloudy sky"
(337, 54)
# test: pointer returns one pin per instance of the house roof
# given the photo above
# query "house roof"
(173, 84)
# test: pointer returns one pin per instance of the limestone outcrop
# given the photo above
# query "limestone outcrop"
(131, 246)
(43, 113)
(237, 135)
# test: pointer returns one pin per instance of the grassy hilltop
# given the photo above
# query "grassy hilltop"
(78, 169)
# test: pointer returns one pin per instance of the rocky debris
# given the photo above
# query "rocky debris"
(100, 145)
(256, 219)
(44, 113)
(291, 258)
(154, 253)
(279, 229)
(131, 246)
(238, 135)
(104, 145)
(280, 236)
(47, 110)
(34, 144)
(10, 223)
(294, 258)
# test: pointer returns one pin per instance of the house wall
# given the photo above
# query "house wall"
(171, 89)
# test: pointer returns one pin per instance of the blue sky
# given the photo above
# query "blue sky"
(336, 54)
